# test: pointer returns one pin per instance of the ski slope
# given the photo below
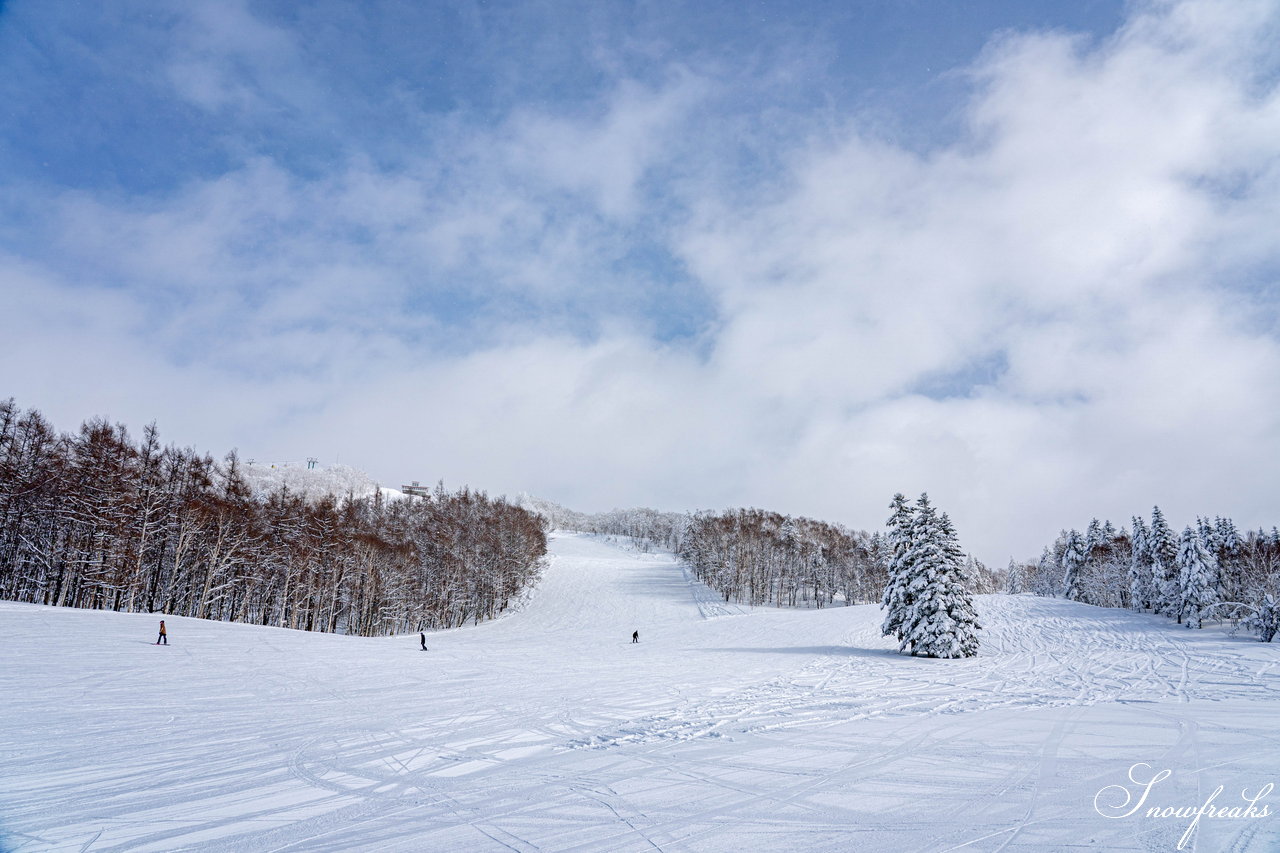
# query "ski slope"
(724, 729)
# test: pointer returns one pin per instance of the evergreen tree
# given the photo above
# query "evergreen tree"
(940, 620)
(1093, 537)
(896, 594)
(1163, 547)
(1214, 545)
(1140, 567)
(1073, 560)
(964, 616)
(1047, 575)
(1196, 570)
(1154, 567)
(1015, 578)
(1230, 554)
(1208, 534)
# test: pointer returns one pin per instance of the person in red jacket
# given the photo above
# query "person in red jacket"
(164, 637)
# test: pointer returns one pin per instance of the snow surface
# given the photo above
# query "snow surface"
(724, 729)
(266, 478)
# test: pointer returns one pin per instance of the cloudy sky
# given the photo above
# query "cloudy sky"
(796, 255)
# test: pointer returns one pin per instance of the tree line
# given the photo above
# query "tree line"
(95, 519)
(641, 528)
(760, 557)
(1208, 571)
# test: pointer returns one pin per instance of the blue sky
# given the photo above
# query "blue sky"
(93, 105)
(687, 255)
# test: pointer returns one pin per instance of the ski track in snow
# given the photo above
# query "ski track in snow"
(547, 730)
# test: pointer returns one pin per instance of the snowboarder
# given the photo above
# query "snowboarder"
(164, 636)
(635, 636)
(423, 638)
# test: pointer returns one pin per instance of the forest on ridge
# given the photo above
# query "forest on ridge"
(97, 519)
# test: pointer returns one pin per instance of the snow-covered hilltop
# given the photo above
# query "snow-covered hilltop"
(311, 483)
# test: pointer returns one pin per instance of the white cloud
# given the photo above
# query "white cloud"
(606, 156)
(224, 59)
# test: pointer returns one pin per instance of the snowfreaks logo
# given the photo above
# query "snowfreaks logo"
(1118, 801)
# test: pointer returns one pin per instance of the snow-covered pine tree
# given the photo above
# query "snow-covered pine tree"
(1208, 534)
(1073, 560)
(1047, 575)
(1092, 536)
(896, 599)
(1015, 578)
(1163, 548)
(940, 620)
(1196, 571)
(1213, 544)
(1140, 567)
(961, 608)
(1230, 552)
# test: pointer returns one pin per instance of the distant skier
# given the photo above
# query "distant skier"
(164, 636)
(423, 638)
(635, 636)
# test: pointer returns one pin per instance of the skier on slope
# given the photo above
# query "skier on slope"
(164, 636)
(635, 636)
(423, 638)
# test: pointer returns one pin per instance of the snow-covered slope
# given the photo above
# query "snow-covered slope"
(264, 478)
(723, 729)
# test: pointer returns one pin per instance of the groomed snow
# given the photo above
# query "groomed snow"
(723, 729)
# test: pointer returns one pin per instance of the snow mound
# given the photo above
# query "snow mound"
(265, 478)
